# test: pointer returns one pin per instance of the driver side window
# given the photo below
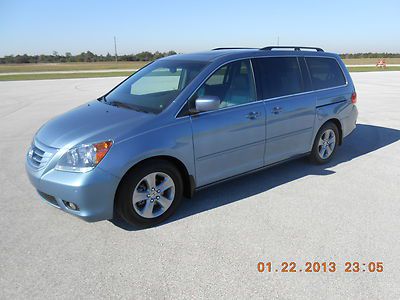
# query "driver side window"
(233, 84)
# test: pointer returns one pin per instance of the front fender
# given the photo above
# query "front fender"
(173, 140)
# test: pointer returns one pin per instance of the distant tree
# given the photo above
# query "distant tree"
(89, 57)
(8, 59)
(68, 56)
(144, 56)
(80, 57)
(22, 59)
(158, 55)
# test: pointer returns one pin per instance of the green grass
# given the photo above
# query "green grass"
(62, 76)
(370, 61)
(8, 68)
(372, 69)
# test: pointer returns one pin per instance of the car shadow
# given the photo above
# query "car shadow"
(363, 140)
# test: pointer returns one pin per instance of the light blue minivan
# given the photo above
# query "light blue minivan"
(187, 121)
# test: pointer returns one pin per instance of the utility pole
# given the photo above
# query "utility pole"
(278, 40)
(115, 48)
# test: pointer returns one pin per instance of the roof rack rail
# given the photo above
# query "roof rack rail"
(295, 48)
(231, 48)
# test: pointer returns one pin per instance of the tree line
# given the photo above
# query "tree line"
(87, 56)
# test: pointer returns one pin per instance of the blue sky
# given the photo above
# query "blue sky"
(36, 27)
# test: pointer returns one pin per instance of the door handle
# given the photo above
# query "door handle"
(276, 110)
(253, 115)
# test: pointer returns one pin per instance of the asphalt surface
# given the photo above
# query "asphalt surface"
(348, 210)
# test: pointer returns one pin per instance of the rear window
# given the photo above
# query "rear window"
(279, 76)
(325, 72)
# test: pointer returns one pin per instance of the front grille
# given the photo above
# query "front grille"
(38, 156)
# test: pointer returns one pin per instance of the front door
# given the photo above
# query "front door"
(230, 140)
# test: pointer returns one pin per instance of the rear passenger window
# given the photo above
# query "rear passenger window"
(325, 72)
(279, 76)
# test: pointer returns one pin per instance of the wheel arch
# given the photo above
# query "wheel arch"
(338, 125)
(188, 180)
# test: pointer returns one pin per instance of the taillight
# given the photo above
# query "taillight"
(354, 98)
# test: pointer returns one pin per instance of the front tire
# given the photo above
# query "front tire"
(325, 144)
(150, 193)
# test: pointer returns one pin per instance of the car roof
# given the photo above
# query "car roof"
(208, 55)
(236, 53)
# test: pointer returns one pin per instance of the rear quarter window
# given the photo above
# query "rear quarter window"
(325, 72)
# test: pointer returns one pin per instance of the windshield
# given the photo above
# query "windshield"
(155, 86)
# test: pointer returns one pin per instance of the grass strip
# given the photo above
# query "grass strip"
(62, 76)
(372, 69)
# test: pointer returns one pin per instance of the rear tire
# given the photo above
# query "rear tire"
(149, 193)
(325, 144)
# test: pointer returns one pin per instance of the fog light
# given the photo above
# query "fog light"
(71, 205)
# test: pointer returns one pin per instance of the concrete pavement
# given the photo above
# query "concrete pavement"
(348, 210)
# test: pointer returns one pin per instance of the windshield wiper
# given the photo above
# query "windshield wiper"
(102, 99)
(128, 106)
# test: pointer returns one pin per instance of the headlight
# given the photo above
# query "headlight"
(83, 158)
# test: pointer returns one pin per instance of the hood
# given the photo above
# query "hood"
(91, 122)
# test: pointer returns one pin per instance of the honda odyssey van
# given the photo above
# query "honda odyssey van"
(187, 121)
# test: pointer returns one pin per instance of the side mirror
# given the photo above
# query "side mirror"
(207, 103)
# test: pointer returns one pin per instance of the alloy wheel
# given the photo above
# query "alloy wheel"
(326, 144)
(153, 195)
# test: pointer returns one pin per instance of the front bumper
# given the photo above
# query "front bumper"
(93, 192)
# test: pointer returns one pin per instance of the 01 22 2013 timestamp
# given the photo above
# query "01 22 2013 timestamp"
(320, 267)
